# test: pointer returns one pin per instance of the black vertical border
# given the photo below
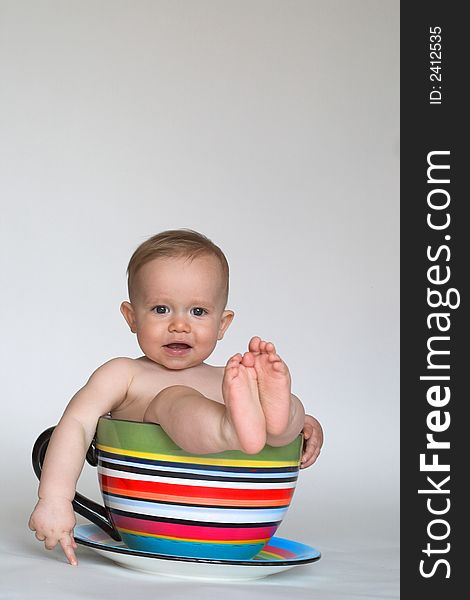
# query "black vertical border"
(426, 128)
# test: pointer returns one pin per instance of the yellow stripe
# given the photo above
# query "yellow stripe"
(264, 553)
(197, 541)
(198, 460)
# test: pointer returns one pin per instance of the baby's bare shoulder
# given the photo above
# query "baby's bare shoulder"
(120, 363)
(120, 367)
(120, 374)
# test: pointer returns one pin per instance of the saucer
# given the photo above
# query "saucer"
(278, 555)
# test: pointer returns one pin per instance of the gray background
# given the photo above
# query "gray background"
(272, 127)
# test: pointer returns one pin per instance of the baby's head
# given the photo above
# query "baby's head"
(178, 289)
(176, 243)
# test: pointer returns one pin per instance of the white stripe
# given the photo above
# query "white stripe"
(199, 471)
(197, 482)
(223, 515)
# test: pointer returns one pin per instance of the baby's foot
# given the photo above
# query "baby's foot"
(244, 415)
(274, 384)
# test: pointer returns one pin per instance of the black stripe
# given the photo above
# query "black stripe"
(164, 463)
(194, 505)
(124, 513)
(221, 478)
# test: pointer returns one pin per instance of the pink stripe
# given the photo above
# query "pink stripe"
(195, 532)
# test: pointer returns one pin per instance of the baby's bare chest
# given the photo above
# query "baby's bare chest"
(147, 383)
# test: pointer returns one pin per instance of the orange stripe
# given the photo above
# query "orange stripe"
(195, 499)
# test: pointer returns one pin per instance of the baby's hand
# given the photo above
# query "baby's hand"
(53, 520)
(313, 441)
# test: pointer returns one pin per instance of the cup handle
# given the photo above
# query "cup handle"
(82, 505)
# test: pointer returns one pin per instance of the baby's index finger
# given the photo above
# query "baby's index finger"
(68, 543)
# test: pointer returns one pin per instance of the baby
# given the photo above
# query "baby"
(178, 289)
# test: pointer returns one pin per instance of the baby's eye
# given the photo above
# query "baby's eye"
(161, 310)
(197, 311)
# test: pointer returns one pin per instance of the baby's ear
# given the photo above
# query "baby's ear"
(128, 313)
(226, 319)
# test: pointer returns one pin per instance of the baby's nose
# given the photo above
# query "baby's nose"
(180, 323)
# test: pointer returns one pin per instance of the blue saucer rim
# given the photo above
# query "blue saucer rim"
(251, 563)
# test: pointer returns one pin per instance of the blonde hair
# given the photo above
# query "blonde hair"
(176, 243)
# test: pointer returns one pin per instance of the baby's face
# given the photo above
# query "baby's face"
(178, 311)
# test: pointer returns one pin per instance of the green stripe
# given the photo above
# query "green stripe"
(149, 437)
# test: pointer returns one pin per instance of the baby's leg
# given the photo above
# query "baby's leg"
(200, 425)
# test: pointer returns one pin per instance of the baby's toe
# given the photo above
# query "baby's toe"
(270, 348)
(234, 360)
(253, 346)
(248, 359)
(274, 358)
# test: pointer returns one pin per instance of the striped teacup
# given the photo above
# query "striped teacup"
(163, 500)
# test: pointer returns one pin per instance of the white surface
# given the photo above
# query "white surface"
(270, 126)
(356, 571)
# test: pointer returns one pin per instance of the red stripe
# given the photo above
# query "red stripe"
(194, 491)
(214, 502)
(280, 552)
(193, 532)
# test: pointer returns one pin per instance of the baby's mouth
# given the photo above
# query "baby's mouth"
(177, 346)
(176, 349)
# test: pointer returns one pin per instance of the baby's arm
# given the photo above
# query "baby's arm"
(313, 436)
(53, 518)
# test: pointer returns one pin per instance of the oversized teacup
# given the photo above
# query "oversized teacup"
(161, 499)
